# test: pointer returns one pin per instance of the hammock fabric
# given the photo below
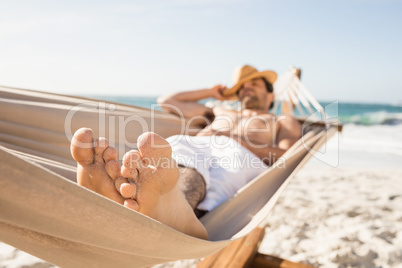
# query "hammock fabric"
(45, 213)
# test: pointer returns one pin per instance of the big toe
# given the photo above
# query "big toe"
(82, 148)
(157, 152)
(153, 148)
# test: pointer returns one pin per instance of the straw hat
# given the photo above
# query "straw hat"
(247, 73)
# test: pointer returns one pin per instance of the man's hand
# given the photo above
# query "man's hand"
(218, 91)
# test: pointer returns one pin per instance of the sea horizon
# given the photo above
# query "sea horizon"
(101, 96)
(348, 112)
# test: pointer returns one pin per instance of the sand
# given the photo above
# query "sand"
(347, 214)
(338, 218)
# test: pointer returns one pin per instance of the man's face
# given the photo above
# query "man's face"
(253, 94)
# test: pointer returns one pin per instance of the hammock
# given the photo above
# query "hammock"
(45, 213)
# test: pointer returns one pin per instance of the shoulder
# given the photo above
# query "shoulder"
(289, 123)
(287, 120)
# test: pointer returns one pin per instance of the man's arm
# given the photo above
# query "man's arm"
(289, 132)
(186, 103)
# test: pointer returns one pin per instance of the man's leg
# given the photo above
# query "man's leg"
(192, 184)
(155, 193)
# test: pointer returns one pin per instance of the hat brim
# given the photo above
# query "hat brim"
(270, 76)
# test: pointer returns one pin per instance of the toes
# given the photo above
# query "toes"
(112, 166)
(113, 169)
(156, 152)
(125, 188)
(132, 162)
(128, 190)
(153, 148)
(118, 182)
(110, 154)
(129, 173)
(81, 147)
(132, 204)
(100, 146)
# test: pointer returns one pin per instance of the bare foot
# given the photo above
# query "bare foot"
(157, 194)
(153, 189)
(97, 166)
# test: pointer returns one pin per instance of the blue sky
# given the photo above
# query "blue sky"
(348, 50)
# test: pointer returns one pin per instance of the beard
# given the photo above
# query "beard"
(250, 102)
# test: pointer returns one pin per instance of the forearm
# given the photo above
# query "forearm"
(189, 96)
(186, 104)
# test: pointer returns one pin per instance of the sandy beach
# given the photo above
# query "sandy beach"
(338, 218)
(349, 215)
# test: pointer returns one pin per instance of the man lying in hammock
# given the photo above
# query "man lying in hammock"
(203, 170)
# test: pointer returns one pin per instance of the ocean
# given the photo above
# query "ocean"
(368, 127)
(348, 112)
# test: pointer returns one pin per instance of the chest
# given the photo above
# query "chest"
(238, 124)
